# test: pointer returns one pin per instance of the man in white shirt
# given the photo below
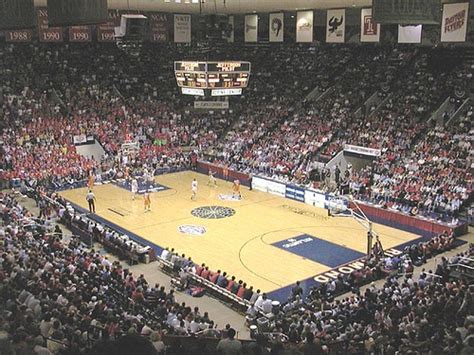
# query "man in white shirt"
(90, 198)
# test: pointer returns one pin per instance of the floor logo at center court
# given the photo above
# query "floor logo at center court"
(213, 212)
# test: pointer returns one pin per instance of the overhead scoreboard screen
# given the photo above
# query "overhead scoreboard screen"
(219, 78)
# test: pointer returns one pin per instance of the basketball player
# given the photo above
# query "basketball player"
(134, 188)
(90, 180)
(147, 201)
(225, 172)
(236, 189)
(194, 188)
(212, 180)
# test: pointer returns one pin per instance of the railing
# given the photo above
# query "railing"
(464, 266)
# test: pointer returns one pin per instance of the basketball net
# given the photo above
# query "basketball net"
(345, 206)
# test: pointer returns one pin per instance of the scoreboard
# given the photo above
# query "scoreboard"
(227, 80)
(227, 77)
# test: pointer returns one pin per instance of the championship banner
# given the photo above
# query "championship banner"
(19, 36)
(335, 26)
(106, 32)
(406, 12)
(182, 28)
(80, 34)
(158, 23)
(454, 24)
(369, 30)
(251, 28)
(409, 34)
(48, 34)
(304, 26)
(230, 30)
(276, 27)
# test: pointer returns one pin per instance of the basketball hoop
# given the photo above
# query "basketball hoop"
(338, 211)
(347, 207)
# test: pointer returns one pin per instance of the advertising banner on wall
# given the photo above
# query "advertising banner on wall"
(304, 26)
(409, 34)
(276, 27)
(251, 28)
(454, 24)
(369, 30)
(182, 28)
(335, 26)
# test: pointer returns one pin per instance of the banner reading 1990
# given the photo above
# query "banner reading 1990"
(80, 34)
(46, 33)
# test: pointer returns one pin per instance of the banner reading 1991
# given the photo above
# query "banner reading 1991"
(106, 32)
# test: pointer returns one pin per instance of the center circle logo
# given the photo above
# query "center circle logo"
(213, 212)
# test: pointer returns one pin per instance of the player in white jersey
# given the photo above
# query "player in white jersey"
(134, 188)
(212, 180)
(194, 188)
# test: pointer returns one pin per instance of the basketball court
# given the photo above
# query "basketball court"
(267, 241)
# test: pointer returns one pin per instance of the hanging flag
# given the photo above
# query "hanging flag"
(158, 23)
(46, 33)
(106, 31)
(454, 24)
(335, 26)
(369, 30)
(80, 34)
(251, 28)
(276, 27)
(304, 26)
(409, 34)
(182, 28)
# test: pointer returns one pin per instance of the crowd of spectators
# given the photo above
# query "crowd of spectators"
(56, 295)
(53, 93)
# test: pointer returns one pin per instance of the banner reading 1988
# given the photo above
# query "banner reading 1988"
(19, 35)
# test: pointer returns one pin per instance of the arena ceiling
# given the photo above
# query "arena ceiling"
(228, 6)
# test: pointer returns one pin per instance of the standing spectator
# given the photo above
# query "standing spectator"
(90, 197)
(229, 345)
